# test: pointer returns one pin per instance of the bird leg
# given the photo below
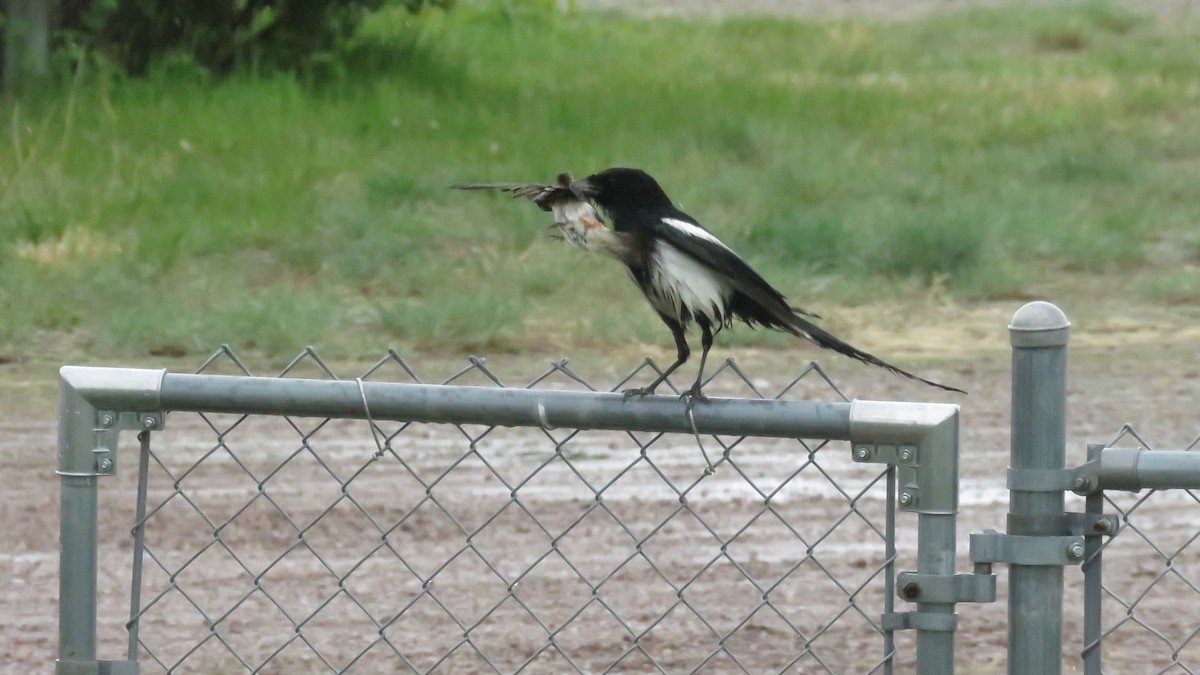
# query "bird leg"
(695, 394)
(709, 469)
(682, 352)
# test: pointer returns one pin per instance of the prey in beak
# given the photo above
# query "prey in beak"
(576, 220)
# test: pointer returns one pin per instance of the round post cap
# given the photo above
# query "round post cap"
(1039, 324)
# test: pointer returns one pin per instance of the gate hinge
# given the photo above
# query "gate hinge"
(1041, 480)
(991, 546)
(1080, 524)
(947, 588)
(944, 623)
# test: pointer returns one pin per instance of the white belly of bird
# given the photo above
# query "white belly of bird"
(682, 287)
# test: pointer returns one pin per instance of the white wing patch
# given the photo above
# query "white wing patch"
(683, 287)
(692, 230)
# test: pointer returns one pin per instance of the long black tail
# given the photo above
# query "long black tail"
(803, 328)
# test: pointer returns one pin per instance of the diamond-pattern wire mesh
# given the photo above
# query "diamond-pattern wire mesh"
(289, 544)
(1151, 577)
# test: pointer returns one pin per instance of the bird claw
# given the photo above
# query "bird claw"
(637, 391)
(693, 396)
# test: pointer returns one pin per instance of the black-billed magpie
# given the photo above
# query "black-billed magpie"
(685, 272)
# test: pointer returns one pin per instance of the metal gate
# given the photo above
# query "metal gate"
(384, 524)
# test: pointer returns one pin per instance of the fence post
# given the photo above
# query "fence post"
(77, 534)
(936, 544)
(87, 451)
(921, 441)
(1039, 333)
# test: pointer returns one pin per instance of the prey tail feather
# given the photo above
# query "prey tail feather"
(484, 186)
(542, 195)
(527, 190)
(802, 328)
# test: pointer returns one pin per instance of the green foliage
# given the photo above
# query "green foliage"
(454, 320)
(927, 243)
(849, 161)
(1178, 286)
(217, 36)
(816, 243)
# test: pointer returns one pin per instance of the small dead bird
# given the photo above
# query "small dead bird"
(575, 219)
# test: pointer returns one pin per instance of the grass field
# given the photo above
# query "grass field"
(966, 156)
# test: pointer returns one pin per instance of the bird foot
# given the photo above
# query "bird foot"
(693, 396)
(638, 391)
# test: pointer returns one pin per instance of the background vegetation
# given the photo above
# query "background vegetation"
(971, 155)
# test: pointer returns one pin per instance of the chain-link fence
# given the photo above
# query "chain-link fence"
(1151, 576)
(304, 523)
(292, 544)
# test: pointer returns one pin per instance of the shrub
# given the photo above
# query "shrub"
(218, 35)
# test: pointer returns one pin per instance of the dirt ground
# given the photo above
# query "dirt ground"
(268, 588)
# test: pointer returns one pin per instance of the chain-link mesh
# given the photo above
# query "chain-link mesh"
(295, 544)
(1151, 574)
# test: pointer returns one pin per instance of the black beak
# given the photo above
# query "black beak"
(583, 188)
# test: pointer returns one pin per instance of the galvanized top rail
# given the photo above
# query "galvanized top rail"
(124, 390)
(449, 404)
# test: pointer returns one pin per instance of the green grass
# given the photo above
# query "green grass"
(984, 151)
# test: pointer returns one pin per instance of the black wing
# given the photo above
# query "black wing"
(722, 259)
(761, 302)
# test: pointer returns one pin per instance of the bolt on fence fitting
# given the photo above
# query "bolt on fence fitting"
(1075, 551)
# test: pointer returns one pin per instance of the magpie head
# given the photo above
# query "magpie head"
(623, 192)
